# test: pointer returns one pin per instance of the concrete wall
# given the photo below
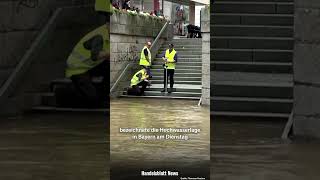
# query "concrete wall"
(307, 69)
(20, 22)
(205, 28)
(48, 61)
(128, 35)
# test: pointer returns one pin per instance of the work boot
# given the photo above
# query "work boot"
(163, 90)
(170, 90)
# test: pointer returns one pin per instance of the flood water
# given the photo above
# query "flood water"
(151, 113)
(54, 146)
(251, 149)
(75, 146)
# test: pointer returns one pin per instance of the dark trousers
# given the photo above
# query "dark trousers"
(136, 90)
(93, 95)
(170, 72)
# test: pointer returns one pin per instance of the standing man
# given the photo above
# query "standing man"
(170, 58)
(139, 79)
(145, 58)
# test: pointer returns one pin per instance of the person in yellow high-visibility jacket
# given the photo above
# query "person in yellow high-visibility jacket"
(104, 9)
(170, 58)
(145, 58)
(139, 79)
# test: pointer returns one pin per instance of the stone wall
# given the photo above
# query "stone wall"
(307, 69)
(20, 22)
(205, 29)
(128, 35)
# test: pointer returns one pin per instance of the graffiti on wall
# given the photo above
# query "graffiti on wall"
(128, 55)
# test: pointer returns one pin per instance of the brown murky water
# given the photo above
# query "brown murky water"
(54, 147)
(251, 149)
(151, 113)
(75, 146)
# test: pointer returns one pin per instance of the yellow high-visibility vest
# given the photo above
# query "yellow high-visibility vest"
(135, 80)
(143, 59)
(79, 61)
(170, 64)
(103, 6)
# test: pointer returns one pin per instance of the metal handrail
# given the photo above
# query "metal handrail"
(127, 66)
(17, 74)
(26, 60)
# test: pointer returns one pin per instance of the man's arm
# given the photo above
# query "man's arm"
(95, 45)
(146, 54)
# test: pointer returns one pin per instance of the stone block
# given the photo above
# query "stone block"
(306, 126)
(307, 4)
(306, 100)
(306, 63)
(307, 25)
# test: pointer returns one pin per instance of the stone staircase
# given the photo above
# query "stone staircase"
(187, 76)
(251, 50)
(47, 101)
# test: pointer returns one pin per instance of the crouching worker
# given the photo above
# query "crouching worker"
(139, 82)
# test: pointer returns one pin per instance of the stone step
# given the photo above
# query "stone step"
(179, 74)
(242, 42)
(252, 89)
(180, 59)
(185, 41)
(249, 114)
(249, 105)
(178, 70)
(162, 97)
(178, 66)
(241, 66)
(177, 46)
(178, 78)
(173, 94)
(160, 88)
(253, 19)
(246, 77)
(252, 30)
(179, 82)
(255, 55)
(253, 7)
(46, 109)
(183, 53)
(184, 56)
(182, 50)
(254, 1)
(180, 63)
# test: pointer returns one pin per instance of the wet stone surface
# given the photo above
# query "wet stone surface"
(246, 149)
(54, 146)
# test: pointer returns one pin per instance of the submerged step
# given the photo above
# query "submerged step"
(172, 94)
(254, 55)
(252, 89)
(162, 97)
(242, 42)
(246, 104)
(253, 7)
(241, 66)
(249, 114)
(252, 30)
(253, 19)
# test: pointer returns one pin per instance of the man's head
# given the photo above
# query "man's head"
(148, 44)
(170, 47)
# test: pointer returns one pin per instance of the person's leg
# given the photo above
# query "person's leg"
(102, 70)
(86, 90)
(171, 73)
(164, 80)
(143, 88)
